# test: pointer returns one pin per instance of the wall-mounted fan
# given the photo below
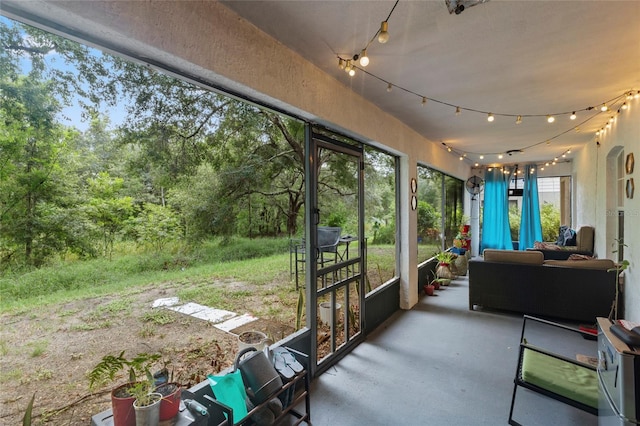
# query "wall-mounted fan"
(474, 185)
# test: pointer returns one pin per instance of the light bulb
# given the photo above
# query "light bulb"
(500, 156)
(519, 120)
(448, 149)
(550, 119)
(383, 34)
(573, 115)
(490, 117)
(364, 59)
(482, 157)
(542, 168)
(637, 95)
(424, 101)
(629, 96)
(461, 158)
(457, 110)
(389, 87)
(352, 72)
(347, 67)
(624, 106)
(341, 63)
(604, 107)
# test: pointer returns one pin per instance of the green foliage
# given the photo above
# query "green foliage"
(156, 226)
(514, 222)
(110, 365)
(299, 309)
(26, 419)
(550, 221)
(444, 256)
(428, 220)
(385, 233)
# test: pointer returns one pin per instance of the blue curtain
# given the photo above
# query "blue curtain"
(530, 227)
(495, 215)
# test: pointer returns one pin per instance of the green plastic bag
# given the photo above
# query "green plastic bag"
(229, 390)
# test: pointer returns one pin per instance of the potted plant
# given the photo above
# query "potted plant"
(443, 270)
(171, 394)
(146, 402)
(619, 268)
(122, 397)
(429, 289)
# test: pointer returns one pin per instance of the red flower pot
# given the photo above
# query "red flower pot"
(122, 406)
(170, 404)
(428, 289)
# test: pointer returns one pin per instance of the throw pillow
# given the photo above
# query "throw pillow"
(539, 245)
(576, 256)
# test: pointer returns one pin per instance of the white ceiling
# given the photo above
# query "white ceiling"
(505, 57)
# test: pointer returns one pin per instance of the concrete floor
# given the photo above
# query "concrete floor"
(438, 364)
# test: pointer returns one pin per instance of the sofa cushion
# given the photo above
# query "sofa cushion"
(583, 264)
(585, 237)
(514, 256)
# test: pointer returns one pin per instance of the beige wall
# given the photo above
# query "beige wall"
(208, 41)
(595, 198)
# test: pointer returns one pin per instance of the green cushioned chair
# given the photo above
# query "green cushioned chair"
(554, 375)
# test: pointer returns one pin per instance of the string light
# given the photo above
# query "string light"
(573, 116)
(604, 107)
(550, 119)
(389, 87)
(519, 120)
(490, 117)
(364, 59)
(613, 104)
(424, 101)
(383, 34)
(457, 110)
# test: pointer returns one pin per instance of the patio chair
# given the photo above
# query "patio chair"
(328, 240)
(554, 375)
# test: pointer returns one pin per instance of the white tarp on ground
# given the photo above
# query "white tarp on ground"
(221, 319)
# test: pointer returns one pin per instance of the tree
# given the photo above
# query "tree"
(31, 183)
(107, 209)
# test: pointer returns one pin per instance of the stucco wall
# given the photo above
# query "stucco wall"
(595, 199)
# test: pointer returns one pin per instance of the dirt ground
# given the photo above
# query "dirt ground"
(49, 352)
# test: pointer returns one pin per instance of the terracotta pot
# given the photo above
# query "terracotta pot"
(122, 406)
(428, 289)
(170, 404)
(436, 284)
